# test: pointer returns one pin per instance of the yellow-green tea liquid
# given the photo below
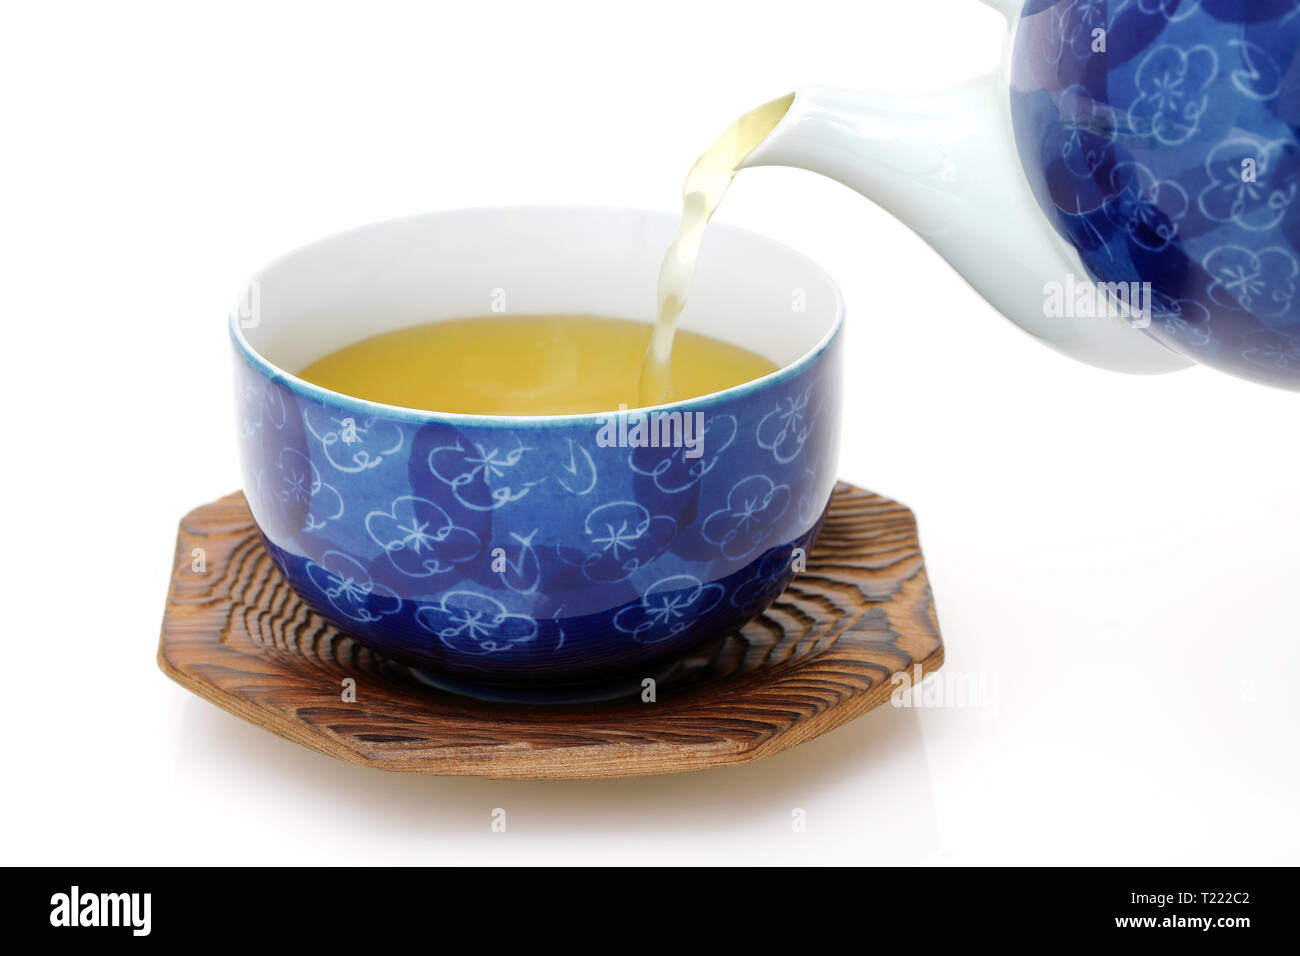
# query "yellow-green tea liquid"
(526, 365)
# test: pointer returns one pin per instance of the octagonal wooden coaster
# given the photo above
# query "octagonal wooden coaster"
(237, 635)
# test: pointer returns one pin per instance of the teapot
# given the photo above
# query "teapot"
(1123, 187)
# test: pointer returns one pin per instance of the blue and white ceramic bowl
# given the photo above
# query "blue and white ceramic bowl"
(535, 558)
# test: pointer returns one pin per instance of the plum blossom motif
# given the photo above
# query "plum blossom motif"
(784, 429)
(346, 584)
(300, 488)
(1269, 348)
(353, 443)
(1074, 25)
(1171, 10)
(576, 471)
(671, 470)
(473, 623)
(1172, 92)
(1260, 282)
(523, 573)
(622, 537)
(1247, 200)
(754, 505)
(810, 509)
(484, 475)
(1185, 319)
(769, 577)
(261, 405)
(667, 608)
(1148, 209)
(1259, 77)
(420, 538)
(1088, 131)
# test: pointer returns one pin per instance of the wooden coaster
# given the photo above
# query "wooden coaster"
(236, 634)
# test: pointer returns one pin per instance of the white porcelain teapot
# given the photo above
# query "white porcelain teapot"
(1123, 187)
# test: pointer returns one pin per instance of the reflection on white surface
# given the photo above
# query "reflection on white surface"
(741, 812)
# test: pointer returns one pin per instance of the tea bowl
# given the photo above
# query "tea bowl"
(549, 558)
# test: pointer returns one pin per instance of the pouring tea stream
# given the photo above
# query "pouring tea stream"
(1118, 148)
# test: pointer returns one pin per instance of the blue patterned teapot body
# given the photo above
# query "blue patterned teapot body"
(1159, 137)
(1148, 158)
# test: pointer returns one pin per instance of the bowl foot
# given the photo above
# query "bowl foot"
(500, 693)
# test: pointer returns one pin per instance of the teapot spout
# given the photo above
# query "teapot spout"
(945, 164)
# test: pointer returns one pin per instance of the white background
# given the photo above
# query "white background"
(1118, 558)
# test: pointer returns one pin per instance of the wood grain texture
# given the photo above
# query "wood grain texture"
(824, 653)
